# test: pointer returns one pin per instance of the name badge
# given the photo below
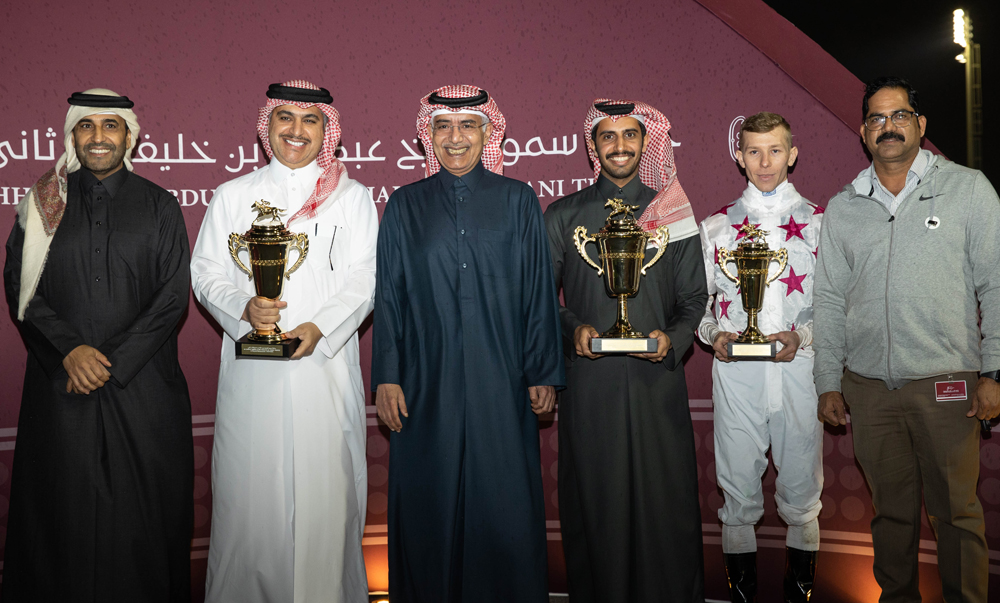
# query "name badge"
(950, 390)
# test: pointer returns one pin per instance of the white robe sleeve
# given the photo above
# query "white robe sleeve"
(212, 267)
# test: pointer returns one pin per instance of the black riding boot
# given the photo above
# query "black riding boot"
(800, 568)
(741, 568)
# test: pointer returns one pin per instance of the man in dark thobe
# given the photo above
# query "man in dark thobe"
(465, 353)
(628, 482)
(97, 268)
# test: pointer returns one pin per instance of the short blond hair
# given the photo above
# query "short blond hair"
(762, 123)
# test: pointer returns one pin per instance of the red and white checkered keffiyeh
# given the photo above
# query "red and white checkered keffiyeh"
(327, 159)
(492, 152)
(657, 170)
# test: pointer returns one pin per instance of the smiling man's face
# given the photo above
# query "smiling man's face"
(296, 135)
(101, 142)
(458, 140)
(619, 145)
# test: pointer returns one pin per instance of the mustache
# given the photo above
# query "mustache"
(621, 154)
(890, 136)
(100, 145)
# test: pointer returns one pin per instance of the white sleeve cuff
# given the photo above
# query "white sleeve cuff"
(805, 335)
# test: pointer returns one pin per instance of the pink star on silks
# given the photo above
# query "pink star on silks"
(724, 308)
(746, 222)
(793, 326)
(794, 282)
(716, 256)
(793, 228)
(724, 210)
(817, 209)
(816, 252)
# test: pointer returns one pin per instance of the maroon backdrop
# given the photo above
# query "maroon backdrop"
(198, 73)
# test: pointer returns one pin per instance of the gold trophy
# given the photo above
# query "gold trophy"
(622, 248)
(268, 244)
(753, 258)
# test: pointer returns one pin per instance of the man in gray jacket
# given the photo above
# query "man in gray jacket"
(908, 253)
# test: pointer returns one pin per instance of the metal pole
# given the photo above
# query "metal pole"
(970, 152)
(977, 107)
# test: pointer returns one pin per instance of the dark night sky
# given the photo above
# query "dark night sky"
(914, 40)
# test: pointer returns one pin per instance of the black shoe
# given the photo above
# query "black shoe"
(741, 568)
(800, 568)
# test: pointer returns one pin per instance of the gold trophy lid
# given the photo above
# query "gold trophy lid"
(625, 222)
(267, 216)
(753, 238)
(268, 221)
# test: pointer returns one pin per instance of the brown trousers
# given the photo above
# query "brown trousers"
(906, 440)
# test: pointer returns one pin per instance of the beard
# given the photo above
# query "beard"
(621, 172)
(103, 164)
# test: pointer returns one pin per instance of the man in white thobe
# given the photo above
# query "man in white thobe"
(288, 467)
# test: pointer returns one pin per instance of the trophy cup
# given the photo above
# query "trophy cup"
(268, 244)
(752, 257)
(622, 248)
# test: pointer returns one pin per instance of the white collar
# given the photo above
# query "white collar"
(780, 199)
(867, 178)
(918, 167)
(280, 172)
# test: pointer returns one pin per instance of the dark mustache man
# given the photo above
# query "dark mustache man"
(909, 252)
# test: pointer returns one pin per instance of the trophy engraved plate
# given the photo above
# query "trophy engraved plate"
(621, 249)
(268, 244)
(244, 348)
(753, 258)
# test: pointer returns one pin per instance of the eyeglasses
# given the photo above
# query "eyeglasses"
(464, 128)
(900, 119)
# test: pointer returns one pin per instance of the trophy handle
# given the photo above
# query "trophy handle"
(237, 242)
(301, 243)
(725, 256)
(782, 256)
(662, 237)
(581, 238)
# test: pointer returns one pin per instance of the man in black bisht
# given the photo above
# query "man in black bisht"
(465, 353)
(628, 482)
(97, 267)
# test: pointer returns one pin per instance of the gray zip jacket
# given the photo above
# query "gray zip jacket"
(895, 297)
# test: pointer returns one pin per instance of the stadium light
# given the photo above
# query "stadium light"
(970, 57)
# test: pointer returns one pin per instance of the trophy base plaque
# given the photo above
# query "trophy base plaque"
(752, 351)
(623, 345)
(283, 350)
